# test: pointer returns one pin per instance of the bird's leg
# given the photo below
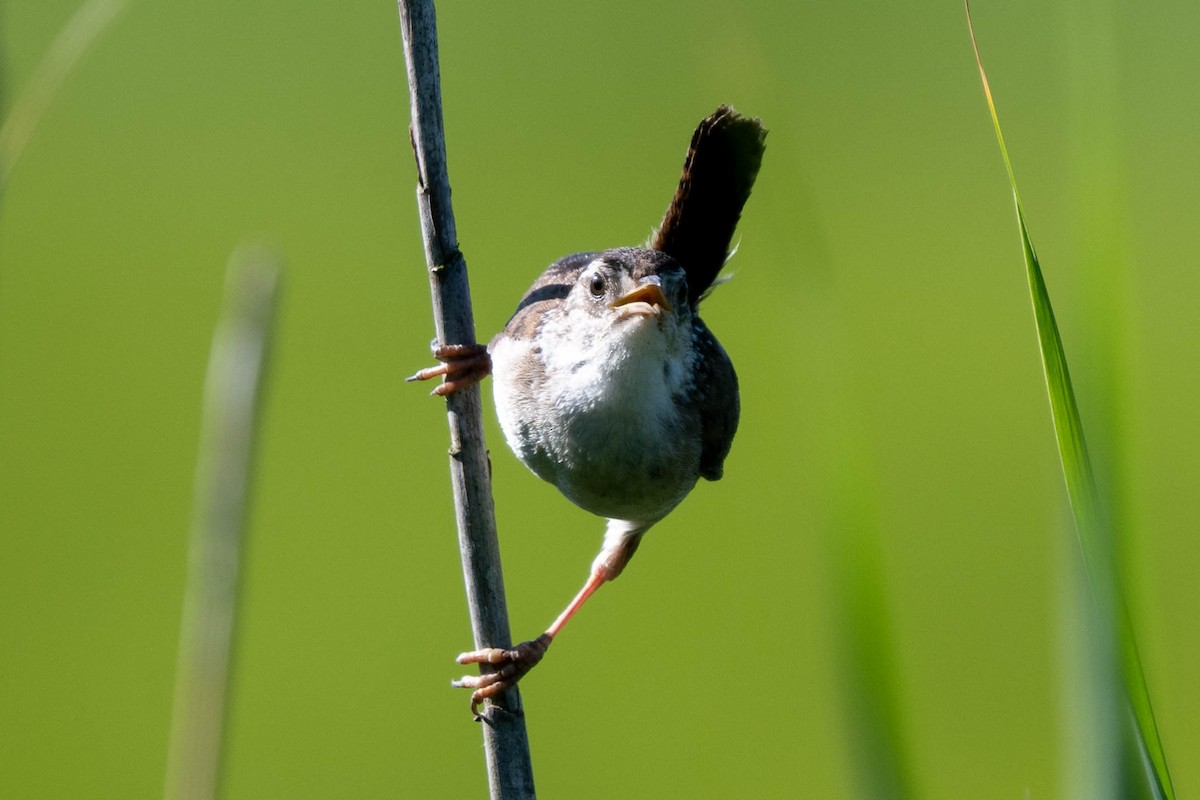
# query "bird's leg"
(620, 543)
(462, 365)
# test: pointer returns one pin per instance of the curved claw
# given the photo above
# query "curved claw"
(515, 663)
(462, 365)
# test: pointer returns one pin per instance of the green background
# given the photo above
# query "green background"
(879, 316)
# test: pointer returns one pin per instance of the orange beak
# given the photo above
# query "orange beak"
(646, 300)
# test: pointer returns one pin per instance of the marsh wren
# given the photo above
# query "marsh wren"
(607, 382)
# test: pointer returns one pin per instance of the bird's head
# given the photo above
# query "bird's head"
(600, 320)
(624, 295)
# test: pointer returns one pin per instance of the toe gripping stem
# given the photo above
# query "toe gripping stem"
(462, 365)
(513, 663)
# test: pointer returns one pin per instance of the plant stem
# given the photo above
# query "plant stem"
(506, 744)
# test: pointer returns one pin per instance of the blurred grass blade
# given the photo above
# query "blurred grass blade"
(862, 639)
(866, 667)
(1091, 522)
(232, 396)
(91, 20)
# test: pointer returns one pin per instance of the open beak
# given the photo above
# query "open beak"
(646, 300)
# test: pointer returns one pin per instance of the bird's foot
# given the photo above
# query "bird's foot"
(513, 664)
(462, 365)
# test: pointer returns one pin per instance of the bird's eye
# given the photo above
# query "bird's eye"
(596, 285)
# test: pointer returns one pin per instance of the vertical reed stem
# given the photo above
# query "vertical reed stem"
(506, 744)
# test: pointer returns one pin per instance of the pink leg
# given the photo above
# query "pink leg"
(594, 582)
(518, 661)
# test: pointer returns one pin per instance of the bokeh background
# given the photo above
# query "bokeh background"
(878, 317)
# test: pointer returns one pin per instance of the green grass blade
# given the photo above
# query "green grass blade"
(83, 29)
(1092, 525)
(866, 663)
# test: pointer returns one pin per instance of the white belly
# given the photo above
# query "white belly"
(603, 428)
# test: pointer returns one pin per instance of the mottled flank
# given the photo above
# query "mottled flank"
(716, 398)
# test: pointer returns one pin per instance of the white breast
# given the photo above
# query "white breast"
(596, 416)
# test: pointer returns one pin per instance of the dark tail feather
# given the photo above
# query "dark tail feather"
(718, 174)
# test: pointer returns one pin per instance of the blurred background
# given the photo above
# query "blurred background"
(879, 318)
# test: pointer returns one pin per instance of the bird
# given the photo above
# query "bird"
(608, 384)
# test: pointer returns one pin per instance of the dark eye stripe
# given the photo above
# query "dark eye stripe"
(552, 291)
